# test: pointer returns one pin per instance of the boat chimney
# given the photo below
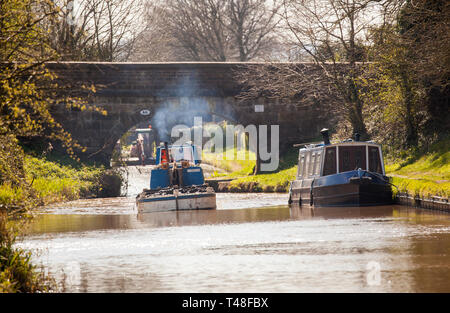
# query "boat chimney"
(164, 155)
(357, 136)
(326, 136)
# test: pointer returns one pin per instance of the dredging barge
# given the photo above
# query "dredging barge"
(348, 173)
(176, 182)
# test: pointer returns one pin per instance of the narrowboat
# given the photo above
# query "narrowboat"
(348, 173)
(176, 182)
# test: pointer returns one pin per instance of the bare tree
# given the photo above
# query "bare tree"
(332, 33)
(155, 43)
(211, 30)
(103, 30)
(199, 28)
(252, 24)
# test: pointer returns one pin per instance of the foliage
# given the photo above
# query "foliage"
(54, 182)
(406, 89)
(96, 29)
(422, 173)
(42, 182)
(17, 273)
(27, 93)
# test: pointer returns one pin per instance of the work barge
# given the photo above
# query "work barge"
(176, 182)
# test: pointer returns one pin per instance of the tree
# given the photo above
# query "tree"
(28, 90)
(155, 43)
(252, 24)
(199, 28)
(425, 32)
(332, 33)
(97, 30)
(215, 30)
(407, 88)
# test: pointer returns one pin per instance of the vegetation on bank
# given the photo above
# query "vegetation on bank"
(17, 272)
(49, 182)
(421, 173)
(28, 94)
(44, 182)
(241, 162)
(245, 181)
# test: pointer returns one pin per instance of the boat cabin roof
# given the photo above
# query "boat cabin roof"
(317, 160)
(342, 143)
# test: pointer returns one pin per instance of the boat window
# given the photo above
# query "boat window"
(179, 153)
(329, 166)
(317, 165)
(311, 164)
(351, 158)
(374, 160)
(301, 165)
(307, 164)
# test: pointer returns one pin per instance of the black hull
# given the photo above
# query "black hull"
(352, 194)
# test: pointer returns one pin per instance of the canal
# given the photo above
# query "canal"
(251, 243)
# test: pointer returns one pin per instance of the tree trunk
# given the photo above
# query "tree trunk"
(355, 111)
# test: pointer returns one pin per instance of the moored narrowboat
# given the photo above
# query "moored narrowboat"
(348, 173)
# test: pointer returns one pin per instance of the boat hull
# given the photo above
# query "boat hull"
(352, 194)
(194, 201)
(344, 189)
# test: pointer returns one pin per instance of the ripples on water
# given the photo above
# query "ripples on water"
(251, 243)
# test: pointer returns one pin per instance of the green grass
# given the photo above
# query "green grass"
(55, 182)
(51, 182)
(242, 171)
(421, 187)
(240, 164)
(273, 182)
(423, 173)
(277, 181)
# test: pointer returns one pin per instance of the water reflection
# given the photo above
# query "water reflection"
(245, 245)
(81, 222)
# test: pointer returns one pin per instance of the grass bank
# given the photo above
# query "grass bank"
(422, 173)
(242, 173)
(50, 182)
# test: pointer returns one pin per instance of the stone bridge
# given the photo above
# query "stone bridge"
(125, 89)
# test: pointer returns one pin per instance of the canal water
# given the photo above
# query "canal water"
(251, 243)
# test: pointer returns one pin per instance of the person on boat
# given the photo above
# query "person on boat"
(140, 149)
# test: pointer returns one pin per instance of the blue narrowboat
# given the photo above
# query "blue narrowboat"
(348, 173)
(176, 182)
